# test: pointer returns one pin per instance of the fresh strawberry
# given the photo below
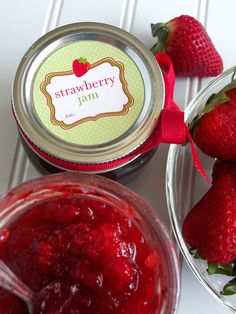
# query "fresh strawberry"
(222, 167)
(214, 129)
(210, 227)
(189, 46)
(80, 66)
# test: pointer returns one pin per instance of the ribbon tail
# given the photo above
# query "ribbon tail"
(196, 160)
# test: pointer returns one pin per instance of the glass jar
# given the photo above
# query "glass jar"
(86, 96)
(36, 221)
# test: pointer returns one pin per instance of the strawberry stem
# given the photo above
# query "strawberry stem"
(215, 99)
(156, 29)
(82, 60)
(221, 96)
(230, 287)
(195, 253)
(160, 31)
(193, 124)
(224, 269)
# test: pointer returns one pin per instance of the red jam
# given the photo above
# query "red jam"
(94, 259)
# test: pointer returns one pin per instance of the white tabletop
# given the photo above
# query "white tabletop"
(22, 22)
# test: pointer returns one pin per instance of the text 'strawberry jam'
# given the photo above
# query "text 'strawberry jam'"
(95, 245)
(85, 96)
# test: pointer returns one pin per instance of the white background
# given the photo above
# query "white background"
(22, 22)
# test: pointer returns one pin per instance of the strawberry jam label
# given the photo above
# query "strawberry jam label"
(78, 101)
(88, 93)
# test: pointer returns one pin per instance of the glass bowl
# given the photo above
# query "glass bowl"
(185, 187)
(100, 194)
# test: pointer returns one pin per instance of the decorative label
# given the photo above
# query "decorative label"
(88, 93)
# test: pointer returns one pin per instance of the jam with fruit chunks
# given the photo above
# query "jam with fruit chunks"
(91, 257)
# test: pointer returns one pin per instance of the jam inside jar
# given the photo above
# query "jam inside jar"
(96, 246)
(133, 167)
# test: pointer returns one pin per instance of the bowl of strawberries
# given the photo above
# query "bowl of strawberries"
(203, 214)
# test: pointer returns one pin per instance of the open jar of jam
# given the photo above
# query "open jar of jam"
(86, 96)
(95, 245)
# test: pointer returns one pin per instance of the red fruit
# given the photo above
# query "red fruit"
(10, 304)
(80, 66)
(221, 168)
(214, 129)
(210, 227)
(189, 46)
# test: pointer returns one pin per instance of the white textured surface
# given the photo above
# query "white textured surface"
(22, 22)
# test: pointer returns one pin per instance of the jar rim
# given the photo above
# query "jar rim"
(23, 105)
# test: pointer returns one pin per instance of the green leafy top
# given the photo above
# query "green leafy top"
(223, 269)
(83, 60)
(221, 96)
(159, 30)
(230, 287)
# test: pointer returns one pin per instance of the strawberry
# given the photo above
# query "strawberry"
(221, 168)
(80, 66)
(210, 227)
(214, 129)
(189, 46)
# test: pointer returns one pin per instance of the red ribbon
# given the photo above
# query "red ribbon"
(174, 129)
(170, 128)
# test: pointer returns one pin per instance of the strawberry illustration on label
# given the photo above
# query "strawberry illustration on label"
(80, 66)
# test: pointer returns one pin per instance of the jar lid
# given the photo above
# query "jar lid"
(88, 93)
